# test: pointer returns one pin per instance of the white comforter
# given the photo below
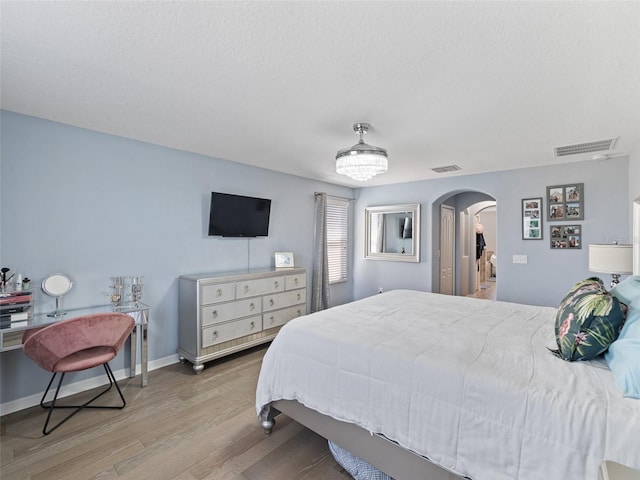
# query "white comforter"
(467, 383)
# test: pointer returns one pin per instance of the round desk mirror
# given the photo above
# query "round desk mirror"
(56, 285)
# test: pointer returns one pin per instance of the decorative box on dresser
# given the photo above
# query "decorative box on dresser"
(223, 313)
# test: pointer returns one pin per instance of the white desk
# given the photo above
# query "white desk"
(11, 332)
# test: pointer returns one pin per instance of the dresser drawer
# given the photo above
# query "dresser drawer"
(223, 332)
(251, 288)
(280, 317)
(224, 312)
(12, 339)
(291, 282)
(216, 293)
(285, 299)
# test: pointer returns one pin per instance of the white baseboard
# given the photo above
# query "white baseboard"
(82, 385)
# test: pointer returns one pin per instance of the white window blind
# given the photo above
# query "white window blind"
(337, 210)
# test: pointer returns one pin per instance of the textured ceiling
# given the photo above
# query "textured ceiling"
(484, 85)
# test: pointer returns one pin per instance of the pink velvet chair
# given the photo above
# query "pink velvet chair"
(77, 344)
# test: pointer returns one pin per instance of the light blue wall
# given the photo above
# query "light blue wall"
(634, 174)
(634, 187)
(93, 206)
(549, 273)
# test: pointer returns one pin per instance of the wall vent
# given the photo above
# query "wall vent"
(585, 147)
(447, 168)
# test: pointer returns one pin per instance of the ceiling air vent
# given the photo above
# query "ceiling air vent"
(447, 168)
(585, 147)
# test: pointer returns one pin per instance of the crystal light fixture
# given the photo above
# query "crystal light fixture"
(361, 162)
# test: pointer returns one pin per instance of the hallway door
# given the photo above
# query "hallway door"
(447, 249)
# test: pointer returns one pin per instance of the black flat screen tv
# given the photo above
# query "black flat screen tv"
(238, 216)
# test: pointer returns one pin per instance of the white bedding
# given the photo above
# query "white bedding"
(467, 383)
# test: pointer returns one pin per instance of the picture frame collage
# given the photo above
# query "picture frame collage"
(566, 236)
(532, 218)
(564, 203)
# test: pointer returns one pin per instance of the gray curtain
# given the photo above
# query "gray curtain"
(320, 278)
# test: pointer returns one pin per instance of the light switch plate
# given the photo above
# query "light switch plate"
(520, 259)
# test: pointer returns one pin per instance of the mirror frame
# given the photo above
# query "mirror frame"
(56, 280)
(413, 208)
(57, 286)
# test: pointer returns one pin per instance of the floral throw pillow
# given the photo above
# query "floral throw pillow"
(589, 319)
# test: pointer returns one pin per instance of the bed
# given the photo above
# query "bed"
(424, 385)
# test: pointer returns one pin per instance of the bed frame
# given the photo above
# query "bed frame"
(380, 452)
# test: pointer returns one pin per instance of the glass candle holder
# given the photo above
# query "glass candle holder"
(116, 289)
(136, 288)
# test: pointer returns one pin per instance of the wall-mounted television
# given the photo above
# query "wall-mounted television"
(238, 216)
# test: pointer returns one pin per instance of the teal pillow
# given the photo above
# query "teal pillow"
(589, 319)
(627, 290)
(623, 356)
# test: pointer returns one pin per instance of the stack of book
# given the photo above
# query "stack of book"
(15, 308)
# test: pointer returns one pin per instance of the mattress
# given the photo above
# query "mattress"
(468, 383)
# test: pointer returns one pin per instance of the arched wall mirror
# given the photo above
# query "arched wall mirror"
(392, 233)
(57, 285)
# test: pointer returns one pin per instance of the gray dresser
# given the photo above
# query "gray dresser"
(222, 313)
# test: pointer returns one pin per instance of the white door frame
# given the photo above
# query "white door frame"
(474, 210)
(636, 236)
(452, 236)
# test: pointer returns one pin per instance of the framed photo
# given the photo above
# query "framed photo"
(532, 218)
(284, 259)
(565, 202)
(566, 236)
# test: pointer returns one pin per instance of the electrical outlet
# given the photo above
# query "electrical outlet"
(520, 259)
(380, 289)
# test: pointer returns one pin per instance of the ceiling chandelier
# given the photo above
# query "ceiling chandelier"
(361, 162)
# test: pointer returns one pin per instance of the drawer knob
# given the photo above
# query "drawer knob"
(246, 288)
(275, 284)
(252, 306)
(214, 314)
(298, 296)
(219, 292)
(271, 302)
(215, 334)
(272, 319)
(299, 312)
(295, 281)
(253, 324)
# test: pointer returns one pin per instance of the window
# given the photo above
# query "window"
(337, 237)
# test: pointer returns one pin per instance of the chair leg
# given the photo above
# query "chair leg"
(52, 405)
(112, 380)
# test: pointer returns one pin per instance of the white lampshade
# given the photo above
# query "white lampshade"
(614, 258)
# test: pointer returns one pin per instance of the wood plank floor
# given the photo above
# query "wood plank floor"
(486, 293)
(181, 426)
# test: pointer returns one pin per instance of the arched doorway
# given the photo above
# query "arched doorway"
(460, 238)
(486, 271)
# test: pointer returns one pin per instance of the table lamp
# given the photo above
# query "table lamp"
(614, 258)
